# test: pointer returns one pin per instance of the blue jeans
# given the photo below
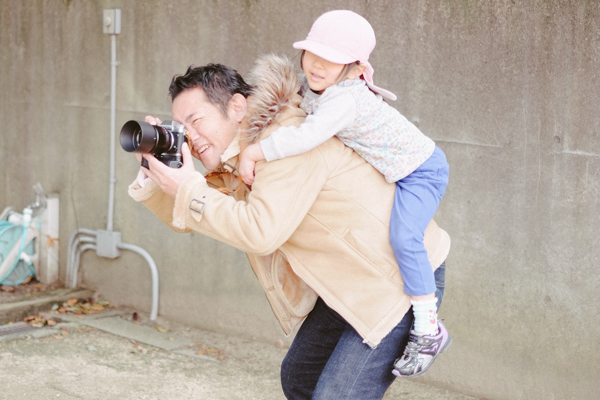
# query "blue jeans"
(328, 359)
(416, 200)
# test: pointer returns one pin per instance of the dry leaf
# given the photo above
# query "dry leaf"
(216, 353)
(160, 329)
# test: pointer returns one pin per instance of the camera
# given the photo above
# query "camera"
(164, 141)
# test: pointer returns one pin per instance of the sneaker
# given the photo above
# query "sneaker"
(420, 352)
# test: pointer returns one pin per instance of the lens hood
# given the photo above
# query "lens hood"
(138, 137)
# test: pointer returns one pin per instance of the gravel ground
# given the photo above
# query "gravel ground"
(79, 362)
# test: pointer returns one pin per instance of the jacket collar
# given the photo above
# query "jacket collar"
(233, 150)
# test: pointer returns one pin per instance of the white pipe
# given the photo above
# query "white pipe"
(79, 231)
(72, 247)
(113, 108)
(72, 257)
(154, 271)
(89, 246)
(74, 251)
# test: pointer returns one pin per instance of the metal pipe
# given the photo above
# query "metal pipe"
(71, 251)
(113, 110)
(88, 246)
(154, 271)
(90, 243)
(79, 231)
(72, 255)
(72, 248)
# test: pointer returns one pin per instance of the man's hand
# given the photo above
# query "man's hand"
(152, 121)
(169, 179)
(250, 156)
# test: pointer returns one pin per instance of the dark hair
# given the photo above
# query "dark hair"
(218, 81)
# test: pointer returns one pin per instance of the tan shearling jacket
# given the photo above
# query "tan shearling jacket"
(313, 225)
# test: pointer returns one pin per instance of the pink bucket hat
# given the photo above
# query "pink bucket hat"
(343, 37)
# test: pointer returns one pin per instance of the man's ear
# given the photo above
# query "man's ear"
(356, 71)
(237, 107)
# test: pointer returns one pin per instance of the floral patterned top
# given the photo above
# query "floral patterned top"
(363, 121)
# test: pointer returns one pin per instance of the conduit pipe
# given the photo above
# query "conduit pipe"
(113, 112)
(154, 271)
(74, 241)
(77, 257)
(108, 243)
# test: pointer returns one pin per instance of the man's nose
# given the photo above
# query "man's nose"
(192, 134)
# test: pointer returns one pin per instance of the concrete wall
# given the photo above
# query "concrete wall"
(510, 90)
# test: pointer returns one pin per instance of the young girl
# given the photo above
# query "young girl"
(342, 100)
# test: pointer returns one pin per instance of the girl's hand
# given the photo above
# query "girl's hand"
(247, 169)
(250, 156)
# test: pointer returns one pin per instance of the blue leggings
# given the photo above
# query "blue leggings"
(417, 198)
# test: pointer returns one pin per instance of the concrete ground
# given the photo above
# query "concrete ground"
(114, 354)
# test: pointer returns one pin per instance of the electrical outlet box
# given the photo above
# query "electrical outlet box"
(106, 244)
(111, 22)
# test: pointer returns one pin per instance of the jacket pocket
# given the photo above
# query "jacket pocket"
(379, 262)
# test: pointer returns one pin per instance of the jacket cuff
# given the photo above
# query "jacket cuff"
(139, 193)
(269, 150)
(188, 200)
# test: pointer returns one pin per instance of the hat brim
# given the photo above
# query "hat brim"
(324, 51)
(338, 57)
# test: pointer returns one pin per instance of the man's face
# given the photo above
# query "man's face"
(209, 130)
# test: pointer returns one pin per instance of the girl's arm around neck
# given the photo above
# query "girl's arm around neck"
(336, 112)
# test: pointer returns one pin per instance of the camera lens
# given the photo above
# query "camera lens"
(164, 141)
(137, 138)
(141, 137)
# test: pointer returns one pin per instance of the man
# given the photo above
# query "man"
(315, 228)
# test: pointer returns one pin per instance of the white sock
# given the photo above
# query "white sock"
(425, 312)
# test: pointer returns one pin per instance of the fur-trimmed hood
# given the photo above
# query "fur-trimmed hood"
(275, 87)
